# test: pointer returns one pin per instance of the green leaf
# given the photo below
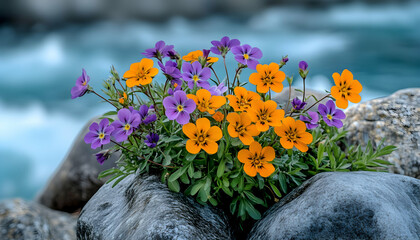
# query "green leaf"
(110, 113)
(275, 189)
(213, 201)
(221, 169)
(283, 183)
(197, 186)
(221, 149)
(253, 198)
(184, 179)
(254, 213)
(174, 186)
(227, 191)
(190, 157)
(174, 176)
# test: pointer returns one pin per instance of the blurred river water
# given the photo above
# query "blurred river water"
(380, 44)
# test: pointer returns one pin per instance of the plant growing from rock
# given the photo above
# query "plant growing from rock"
(218, 141)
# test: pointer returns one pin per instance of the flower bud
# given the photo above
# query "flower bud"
(303, 69)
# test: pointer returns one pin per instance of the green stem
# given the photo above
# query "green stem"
(317, 102)
(104, 99)
(227, 74)
(218, 80)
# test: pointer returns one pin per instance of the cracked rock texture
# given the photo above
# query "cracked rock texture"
(144, 208)
(395, 118)
(21, 220)
(76, 179)
(346, 205)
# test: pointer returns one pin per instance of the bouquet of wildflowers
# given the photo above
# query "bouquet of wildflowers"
(210, 137)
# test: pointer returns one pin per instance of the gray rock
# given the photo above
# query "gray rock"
(28, 220)
(282, 98)
(143, 208)
(76, 180)
(395, 118)
(353, 205)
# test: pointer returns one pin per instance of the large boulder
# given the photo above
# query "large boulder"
(144, 208)
(20, 220)
(352, 205)
(395, 118)
(76, 180)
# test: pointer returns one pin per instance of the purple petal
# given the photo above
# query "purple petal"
(331, 106)
(240, 59)
(225, 41)
(323, 110)
(314, 116)
(183, 118)
(255, 53)
(187, 67)
(328, 121)
(339, 114)
(252, 64)
(78, 91)
(215, 50)
(169, 103)
(108, 130)
(203, 84)
(159, 45)
(237, 51)
(216, 43)
(106, 140)
(189, 106)
(96, 143)
(303, 65)
(124, 115)
(172, 114)
(143, 111)
(205, 73)
(233, 43)
(180, 97)
(161, 66)
(150, 119)
(90, 137)
(246, 48)
(304, 118)
(190, 83)
(337, 123)
(103, 124)
(120, 136)
(196, 67)
(134, 121)
(311, 126)
(94, 127)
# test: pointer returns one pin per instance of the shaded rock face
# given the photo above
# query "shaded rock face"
(27, 220)
(395, 118)
(282, 98)
(143, 208)
(353, 205)
(76, 180)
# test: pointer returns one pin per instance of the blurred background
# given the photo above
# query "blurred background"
(44, 44)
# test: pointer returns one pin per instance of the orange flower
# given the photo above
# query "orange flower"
(346, 89)
(242, 99)
(202, 136)
(293, 133)
(268, 77)
(193, 56)
(122, 100)
(218, 116)
(256, 160)
(240, 126)
(140, 73)
(206, 102)
(265, 114)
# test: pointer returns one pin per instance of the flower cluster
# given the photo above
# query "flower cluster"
(216, 139)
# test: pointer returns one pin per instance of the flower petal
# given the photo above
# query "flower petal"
(210, 147)
(266, 170)
(183, 118)
(286, 143)
(268, 153)
(250, 170)
(255, 148)
(243, 155)
(193, 147)
(214, 133)
(203, 124)
(190, 130)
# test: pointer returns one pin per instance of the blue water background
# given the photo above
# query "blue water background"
(380, 44)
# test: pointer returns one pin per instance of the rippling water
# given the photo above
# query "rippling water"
(380, 44)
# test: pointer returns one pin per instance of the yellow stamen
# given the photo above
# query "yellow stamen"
(196, 78)
(84, 83)
(101, 136)
(246, 56)
(180, 108)
(329, 117)
(127, 127)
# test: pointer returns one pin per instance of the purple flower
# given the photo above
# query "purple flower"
(102, 156)
(171, 91)
(81, 85)
(312, 120)
(172, 54)
(303, 65)
(171, 71)
(145, 118)
(126, 124)
(151, 140)
(159, 51)
(285, 60)
(223, 46)
(179, 107)
(99, 134)
(331, 115)
(217, 90)
(247, 55)
(298, 104)
(194, 73)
